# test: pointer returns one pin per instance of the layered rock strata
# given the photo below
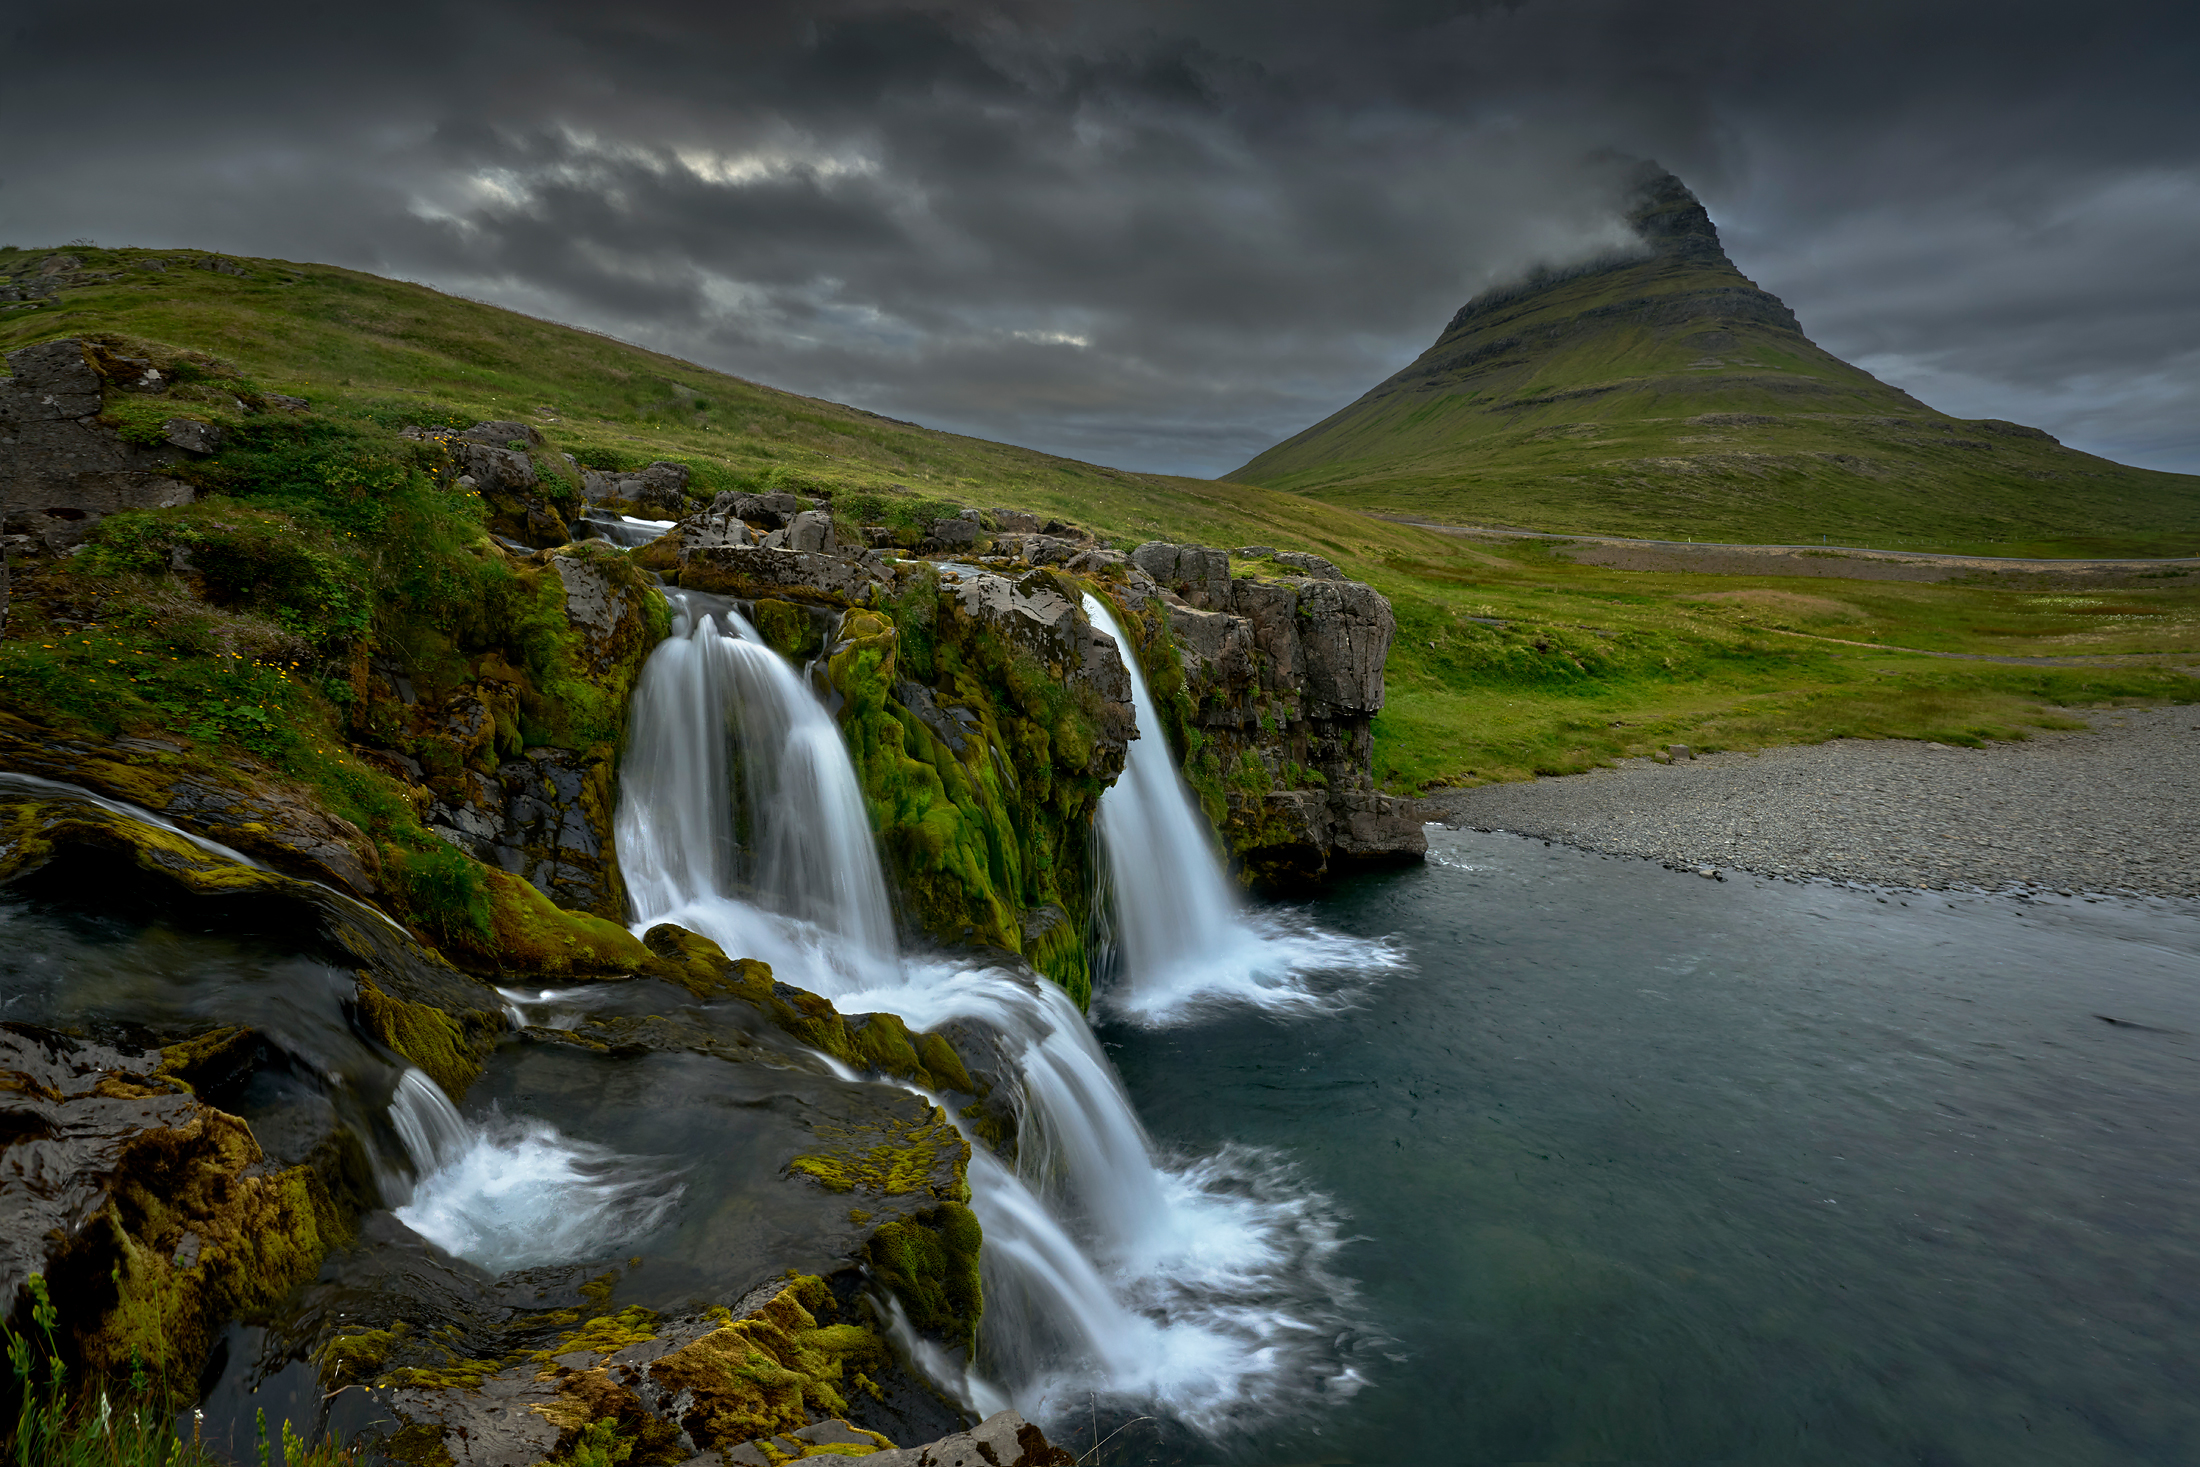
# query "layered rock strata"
(1279, 666)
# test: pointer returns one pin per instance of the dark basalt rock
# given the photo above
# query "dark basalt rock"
(61, 468)
(151, 1216)
(1284, 673)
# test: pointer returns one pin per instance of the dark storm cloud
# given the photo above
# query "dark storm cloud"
(1161, 235)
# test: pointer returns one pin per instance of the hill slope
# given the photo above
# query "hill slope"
(1666, 394)
(1511, 659)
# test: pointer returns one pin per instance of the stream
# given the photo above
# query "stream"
(1521, 1155)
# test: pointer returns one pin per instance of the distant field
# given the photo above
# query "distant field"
(1587, 663)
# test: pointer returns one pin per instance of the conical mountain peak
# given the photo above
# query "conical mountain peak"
(1658, 390)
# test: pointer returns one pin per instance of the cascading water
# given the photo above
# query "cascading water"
(739, 814)
(1201, 1287)
(1182, 939)
(621, 529)
(514, 1193)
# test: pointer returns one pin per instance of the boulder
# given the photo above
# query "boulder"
(1312, 565)
(772, 511)
(812, 530)
(957, 533)
(761, 570)
(192, 436)
(493, 470)
(1199, 575)
(1016, 521)
(503, 433)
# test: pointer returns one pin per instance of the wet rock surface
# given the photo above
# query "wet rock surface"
(765, 571)
(258, 814)
(2114, 809)
(151, 1216)
(1284, 671)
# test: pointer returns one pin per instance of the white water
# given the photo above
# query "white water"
(1183, 940)
(1199, 1288)
(739, 814)
(624, 529)
(1202, 1287)
(514, 1193)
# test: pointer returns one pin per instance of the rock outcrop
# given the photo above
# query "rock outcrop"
(527, 490)
(1281, 673)
(150, 1216)
(61, 468)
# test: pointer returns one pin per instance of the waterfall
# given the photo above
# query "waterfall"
(1199, 1287)
(1182, 939)
(515, 1193)
(740, 816)
(623, 530)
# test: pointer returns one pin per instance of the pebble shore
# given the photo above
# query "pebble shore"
(2112, 810)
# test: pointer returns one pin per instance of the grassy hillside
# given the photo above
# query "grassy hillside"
(1667, 396)
(1510, 660)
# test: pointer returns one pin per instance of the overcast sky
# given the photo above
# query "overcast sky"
(1161, 236)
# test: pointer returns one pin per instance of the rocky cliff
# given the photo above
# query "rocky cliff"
(385, 663)
(1282, 675)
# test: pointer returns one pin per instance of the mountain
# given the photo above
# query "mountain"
(1661, 392)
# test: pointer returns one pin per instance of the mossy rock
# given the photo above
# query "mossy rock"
(930, 1262)
(188, 1227)
(449, 1049)
(977, 836)
(775, 1369)
(790, 630)
(879, 1043)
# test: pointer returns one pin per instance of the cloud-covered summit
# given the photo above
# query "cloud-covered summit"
(1160, 235)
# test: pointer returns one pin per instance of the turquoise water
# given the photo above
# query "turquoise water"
(1642, 1167)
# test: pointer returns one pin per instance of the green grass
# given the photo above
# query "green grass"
(59, 1423)
(1707, 660)
(1660, 399)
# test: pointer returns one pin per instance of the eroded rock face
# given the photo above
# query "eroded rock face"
(62, 470)
(1283, 671)
(1043, 615)
(545, 819)
(151, 1216)
(753, 571)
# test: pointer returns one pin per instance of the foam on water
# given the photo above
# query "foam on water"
(1200, 1286)
(1184, 943)
(512, 1193)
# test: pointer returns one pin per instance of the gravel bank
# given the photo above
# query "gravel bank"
(2113, 809)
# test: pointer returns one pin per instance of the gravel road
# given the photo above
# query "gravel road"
(2113, 809)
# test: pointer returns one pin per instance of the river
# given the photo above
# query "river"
(1638, 1166)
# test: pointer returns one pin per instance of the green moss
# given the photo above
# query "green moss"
(893, 1158)
(451, 1051)
(630, 1326)
(790, 630)
(930, 1262)
(777, 1369)
(259, 1237)
(359, 1356)
(975, 838)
